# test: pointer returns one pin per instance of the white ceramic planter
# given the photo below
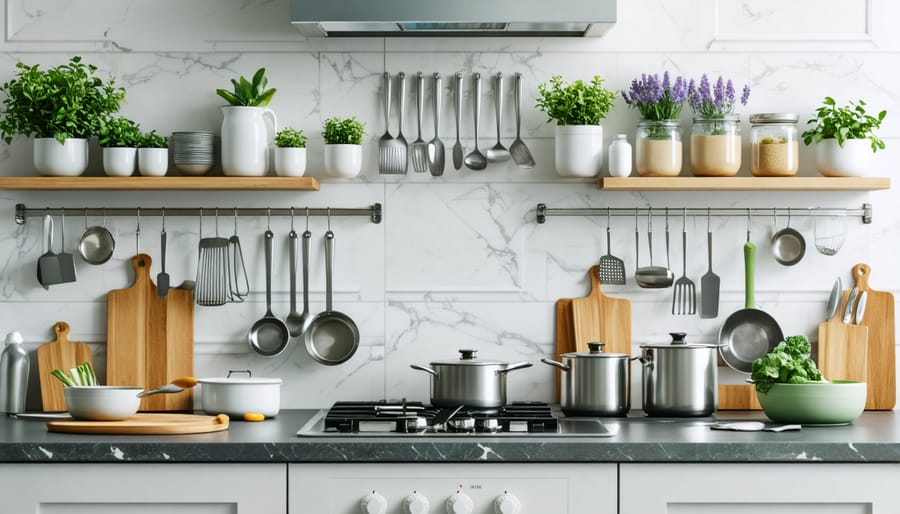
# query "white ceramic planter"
(245, 140)
(579, 150)
(343, 161)
(290, 162)
(119, 162)
(153, 162)
(52, 159)
(853, 160)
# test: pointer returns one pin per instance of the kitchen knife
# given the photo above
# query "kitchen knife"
(834, 300)
(848, 310)
(860, 307)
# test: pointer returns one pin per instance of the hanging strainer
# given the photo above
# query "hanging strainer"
(831, 231)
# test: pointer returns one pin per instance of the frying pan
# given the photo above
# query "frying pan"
(332, 337)
(749, 333)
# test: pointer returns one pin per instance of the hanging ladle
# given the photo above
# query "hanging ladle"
(651, 277)
(269, 336)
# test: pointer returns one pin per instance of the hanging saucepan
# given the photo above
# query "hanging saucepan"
(469, 381)
(595, 383)
(788, 244)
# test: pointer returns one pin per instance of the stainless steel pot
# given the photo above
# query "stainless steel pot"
(595, 383)
(468, 381)
(679, 378)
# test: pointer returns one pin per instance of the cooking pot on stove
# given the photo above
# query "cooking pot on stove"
(469, 381)
(679, 378)
(595, 383)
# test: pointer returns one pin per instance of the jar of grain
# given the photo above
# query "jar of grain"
(716, 146)
(658, 148)
(774, 144)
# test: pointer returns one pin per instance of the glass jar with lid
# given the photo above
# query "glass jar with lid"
(774, 144)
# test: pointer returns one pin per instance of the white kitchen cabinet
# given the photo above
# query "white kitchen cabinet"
(807, 488)
(143, 488)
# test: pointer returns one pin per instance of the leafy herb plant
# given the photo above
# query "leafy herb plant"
(843, 123)
(347, 131)
(289, 137)
(252, 93)
(577, 103)
(153, 140)
(66, 101)
(788, 363)
(118, 132)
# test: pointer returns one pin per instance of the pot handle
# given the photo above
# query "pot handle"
(247, 371)
(423, 368)
(515, 366)
(559, 365)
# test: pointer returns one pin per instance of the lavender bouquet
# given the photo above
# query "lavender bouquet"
(714, 102)
(657, 100)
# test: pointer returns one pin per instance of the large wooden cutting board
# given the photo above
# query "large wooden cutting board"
(145, 424)
(565, 341)
(150, 340)
(598, 317)
(881, 372)
(60, 354)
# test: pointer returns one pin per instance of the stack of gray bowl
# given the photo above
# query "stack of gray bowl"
(194, 151)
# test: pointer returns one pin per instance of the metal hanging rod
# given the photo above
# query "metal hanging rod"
(374, 212)
(865, 213)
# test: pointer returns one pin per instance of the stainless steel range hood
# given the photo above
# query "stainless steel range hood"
(404, 18)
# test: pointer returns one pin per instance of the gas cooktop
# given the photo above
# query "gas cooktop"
(415, 419)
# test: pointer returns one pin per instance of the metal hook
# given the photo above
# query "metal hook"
(235, 220)
(667, 219)
(307, 219)
(708, 217)
(292, 219)
(749, 221)
(268, 218)
(163, 219)
(201, 222)
(85, 218)
(635, 219)
(137, 232)
(607, 219)
(649, 218)
(216, 214)
(329, 218)
(683, 217)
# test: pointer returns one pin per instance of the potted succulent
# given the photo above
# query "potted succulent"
(61, 107)
(245, 134)
(716, 131)
(153, 154)
(290, 152)
(343, 150)
(843, 137)
(119, 138)
(577, 109)
(658, 145)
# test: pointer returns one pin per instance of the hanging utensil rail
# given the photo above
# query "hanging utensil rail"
(22, 212)
(543, 211)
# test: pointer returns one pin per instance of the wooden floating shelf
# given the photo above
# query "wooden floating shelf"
(744, 183)
(160, 183)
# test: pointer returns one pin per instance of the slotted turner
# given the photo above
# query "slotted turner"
(419, 148)
(684, 297)
(709, 283)
(391, 152)
(612, 269)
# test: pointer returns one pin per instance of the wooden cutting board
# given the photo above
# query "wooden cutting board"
(880, 363)
(598, 317)
(150, 340)
(565, 342)
(145, 424)
(60, 354)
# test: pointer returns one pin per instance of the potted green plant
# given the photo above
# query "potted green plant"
(716, 129)
(843, 136)
(61, 107)
(153, 154)
(577, 109)
(119, 138)
(290, 152)
(343, 146)
(245, 134)
(658, 142)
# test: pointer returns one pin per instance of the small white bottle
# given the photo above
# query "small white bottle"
(620, 156)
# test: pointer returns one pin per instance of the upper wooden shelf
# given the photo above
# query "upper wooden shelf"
(744, 183)
(160, 183)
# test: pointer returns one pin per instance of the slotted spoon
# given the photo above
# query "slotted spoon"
(612, 269)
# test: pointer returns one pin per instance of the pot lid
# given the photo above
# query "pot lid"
(596, 352)
(468, 358)
(774, 117)
(678, 343)
(249, 379)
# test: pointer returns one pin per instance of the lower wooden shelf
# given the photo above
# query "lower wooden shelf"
(744, 183)
(160, 183)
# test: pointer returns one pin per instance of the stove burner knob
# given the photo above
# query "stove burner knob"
(416, 424)
(459, 503)
(415, 504)
(373, 503)
(490, 425)
(507, 504)
(463, 424)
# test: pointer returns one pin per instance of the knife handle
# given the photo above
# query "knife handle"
(848, 308)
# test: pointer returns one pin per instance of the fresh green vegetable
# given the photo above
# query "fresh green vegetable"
(788, 363)
(289, 137)
(347, 131)
(249, 93)
(577, 103)
(81, 375)
(843, 123)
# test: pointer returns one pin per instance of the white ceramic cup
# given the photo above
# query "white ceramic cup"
(153, 162)
(119, 162)
(343, 161)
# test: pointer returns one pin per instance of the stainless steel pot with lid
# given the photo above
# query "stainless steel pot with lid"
(595, 383)
(469, 381)
(679, 378)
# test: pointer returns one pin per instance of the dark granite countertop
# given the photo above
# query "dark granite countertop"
(874, 437)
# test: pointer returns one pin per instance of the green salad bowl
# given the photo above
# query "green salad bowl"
(838, 402)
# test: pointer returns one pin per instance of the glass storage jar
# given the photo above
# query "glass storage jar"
(774, 144)
(658, 148)
(716, 146)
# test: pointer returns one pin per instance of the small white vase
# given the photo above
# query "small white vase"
(119, 162)
(52, 159)
(579, 150)
(153, 162)
(343, 161)
(245, 140)
(853, 160)
(290, 162)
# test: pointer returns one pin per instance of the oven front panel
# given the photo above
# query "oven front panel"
(478, 488)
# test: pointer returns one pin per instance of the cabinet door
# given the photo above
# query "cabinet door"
(759, 488)
(144, 488)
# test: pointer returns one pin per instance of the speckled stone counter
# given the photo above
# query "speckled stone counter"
(874, 437)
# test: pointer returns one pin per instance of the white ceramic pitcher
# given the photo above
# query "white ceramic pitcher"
(245, 140)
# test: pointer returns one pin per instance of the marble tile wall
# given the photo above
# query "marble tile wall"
(459, 261)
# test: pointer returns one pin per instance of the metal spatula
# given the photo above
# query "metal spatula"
(709, 283)
(612, 269)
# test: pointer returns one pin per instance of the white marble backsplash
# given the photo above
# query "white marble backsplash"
(459, 260)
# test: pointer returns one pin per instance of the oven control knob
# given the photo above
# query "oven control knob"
(373, 503)
(459, 503)
(416, 504)
(507, 504)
